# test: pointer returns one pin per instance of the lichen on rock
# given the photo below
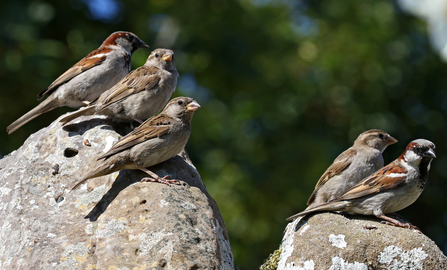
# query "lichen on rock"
(336, 241)
(111, 222)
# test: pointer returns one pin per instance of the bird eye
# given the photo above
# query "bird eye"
(180, 102)
(381, 136)
(156, 55)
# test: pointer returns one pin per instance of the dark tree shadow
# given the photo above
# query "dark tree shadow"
(177, 168)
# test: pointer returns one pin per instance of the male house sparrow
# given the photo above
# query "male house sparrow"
(388, 190)
(88, 78)
(140, 94)
(158, 139)
(350, 167)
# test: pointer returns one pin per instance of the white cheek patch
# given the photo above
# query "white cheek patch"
(412, 157)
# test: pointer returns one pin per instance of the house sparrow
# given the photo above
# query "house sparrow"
(87, 79)
(350, 167)
(140, 94)
(158, 139)
(388, 190)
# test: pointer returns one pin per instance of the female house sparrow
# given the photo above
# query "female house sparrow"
(158, 139)
(390, 189)
(88, 78)
(140, 94)
(350, 167)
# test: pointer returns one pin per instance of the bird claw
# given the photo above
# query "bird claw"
(402, 225)
(162, 180)
(388, 223)
(155, 178)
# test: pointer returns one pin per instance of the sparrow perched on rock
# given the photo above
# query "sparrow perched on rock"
(388, 190)
(87, 79)
(140, 94)
(350, 167)
(157, 139)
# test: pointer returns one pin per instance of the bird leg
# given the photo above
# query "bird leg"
(86, 102)
(397, 223)
(396, 215)
(155, 178)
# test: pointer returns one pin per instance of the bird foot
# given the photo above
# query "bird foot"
(397, 223)
(396, 216)
(162, 180)
(403, 225)
(155, 178)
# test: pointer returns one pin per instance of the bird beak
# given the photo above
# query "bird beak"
(430, 153)
(193, 106)
(391, 140)
(142, 44)
(167, 57)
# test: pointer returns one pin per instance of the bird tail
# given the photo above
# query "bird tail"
(330, 206)
(103, 169)
(89, 110)
(45, 106)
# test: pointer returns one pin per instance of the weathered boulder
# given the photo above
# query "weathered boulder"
(334, 241)
(112, 222)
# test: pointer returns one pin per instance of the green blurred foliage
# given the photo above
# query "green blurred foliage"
(285, 86)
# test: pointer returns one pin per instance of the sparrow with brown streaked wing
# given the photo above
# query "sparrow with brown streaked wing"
(157, 139)
(388, 190)
(140, 94)
(350, 167)
(88, 78)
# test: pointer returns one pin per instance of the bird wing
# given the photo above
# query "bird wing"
(93, 59)
(156, 126)
(143, 78)
(389, 177)
(338, 166)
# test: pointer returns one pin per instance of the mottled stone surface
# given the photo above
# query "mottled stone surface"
(335, 241)
(112, 222)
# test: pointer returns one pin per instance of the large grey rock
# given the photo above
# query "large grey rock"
(334, 241)
(112, 222)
